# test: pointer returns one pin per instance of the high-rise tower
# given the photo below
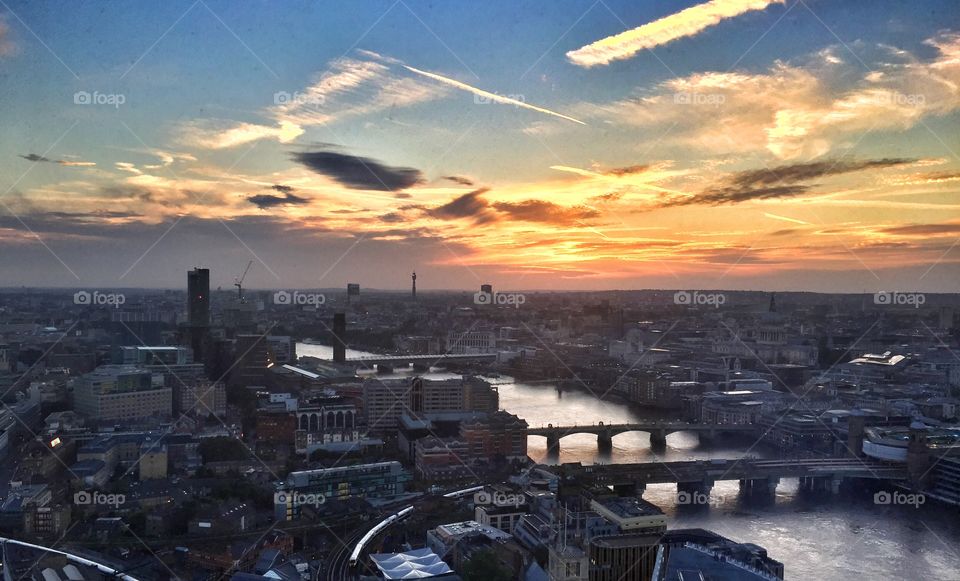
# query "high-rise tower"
(413, 291)
(198, 297)
(198, 311)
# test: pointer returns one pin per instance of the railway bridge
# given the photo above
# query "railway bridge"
(700, 475)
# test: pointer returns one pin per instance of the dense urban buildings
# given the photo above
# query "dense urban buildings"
(162, 443)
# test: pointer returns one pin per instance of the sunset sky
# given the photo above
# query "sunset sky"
(739, 144)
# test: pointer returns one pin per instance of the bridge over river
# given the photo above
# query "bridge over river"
(658, 431)
(424, 361)
(700, 475)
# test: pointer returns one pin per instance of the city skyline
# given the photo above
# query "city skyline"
(734, 144)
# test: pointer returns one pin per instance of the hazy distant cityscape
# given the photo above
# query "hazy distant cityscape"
(331, 434)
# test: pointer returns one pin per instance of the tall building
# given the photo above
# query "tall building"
(414, 288)
(198, 297)
(283, 349)
(253, 360)
(198, 310)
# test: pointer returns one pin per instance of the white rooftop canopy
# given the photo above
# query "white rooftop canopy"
(417, 564)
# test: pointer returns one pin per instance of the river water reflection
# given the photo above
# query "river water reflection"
(817, 537)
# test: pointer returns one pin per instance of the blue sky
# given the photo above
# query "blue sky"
(587, 173)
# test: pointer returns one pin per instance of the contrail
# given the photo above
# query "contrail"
(688, 22)
(785, 219)
(488, 95)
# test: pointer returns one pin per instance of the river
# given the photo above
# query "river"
(817, 537)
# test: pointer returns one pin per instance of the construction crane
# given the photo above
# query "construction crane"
(238, 282)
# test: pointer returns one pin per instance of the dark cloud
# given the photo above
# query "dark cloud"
(359, 173)
(543, 211)
(733, 195)
(628, 170)
(282, 188)
(785, 232)
(470, 205)
(609, 196)
(459, 180)
(349, 210)
(392, 217)
(801, 172)
(35, 157)
(39, 158)
(265, 201)
(924, 229)
(784, 181)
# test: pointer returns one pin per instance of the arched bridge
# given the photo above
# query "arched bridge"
(658, 431)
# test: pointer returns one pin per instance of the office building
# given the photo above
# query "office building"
(283, 349)
(317, 487)
(122, 392)
(155, 355)
(497, 435)
(702, 554)
(253, 360)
